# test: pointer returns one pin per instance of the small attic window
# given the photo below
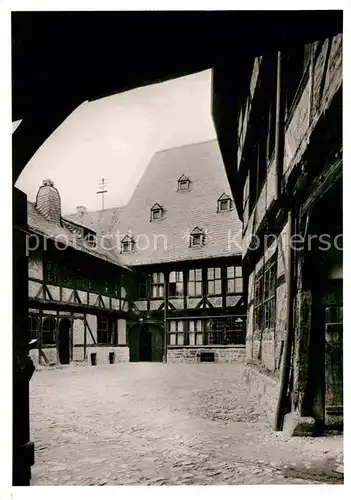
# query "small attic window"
(183, 183)
(197, 237)
(90, 238)
(127, 244)
(224, 203)
(156, 212)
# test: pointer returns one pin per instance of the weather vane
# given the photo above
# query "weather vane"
(102, 190)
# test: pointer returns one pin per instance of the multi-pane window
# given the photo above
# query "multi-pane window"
(224, 203)
(105, 330)
(196, 332)
(142, 293)
(264, 302)
(214, 281)
(33, 326)
(156, 212)
(48, 331)
(183, 183)
(176, 284)
(234, 279)
(225, 331)
(197, 237)
(157, 285)
(127, 244)
(176, 332)
(195, 283)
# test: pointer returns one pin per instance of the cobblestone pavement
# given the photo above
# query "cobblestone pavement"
(156, 424)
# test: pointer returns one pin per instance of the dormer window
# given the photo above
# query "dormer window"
(156, 212)
(183, 183)
(89, 237)
(224, 203)
(197, 237)
(127, 244)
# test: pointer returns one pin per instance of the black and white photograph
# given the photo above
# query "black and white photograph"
(177, 247)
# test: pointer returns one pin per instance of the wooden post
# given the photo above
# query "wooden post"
(279, 125)
(166, 281)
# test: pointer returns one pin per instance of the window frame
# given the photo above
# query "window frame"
(177, 332)
(183, 181)
(45, 331)
(127, 240)
(219, 331)
(31, 319)
(195, 281)
(265, 298)
(196, 331)
(197, 234)
(234, 279)
(179, 279)
(107, 329)
(224, 198)
(159, 283)
(214, 280)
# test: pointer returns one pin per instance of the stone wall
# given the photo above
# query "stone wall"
(265, 388)
(192, 354)
(102, 354)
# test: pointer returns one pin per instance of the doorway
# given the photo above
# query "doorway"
(146, 343)
(64, 337)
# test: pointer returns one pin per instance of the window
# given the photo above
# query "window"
(105, 330)
(176, 335)
(195, 332)
(157, 285)
(214, 281)
(183, 183)
(90, 238)
(264, 301)
(156, 212)
(195, 283)
(197, 237)
(234, 279)
(143, 289)
(49, 328)
(127, 244)
(297, 62)
(33, 327)
(224, 331)
(224, 203)
(176, 284)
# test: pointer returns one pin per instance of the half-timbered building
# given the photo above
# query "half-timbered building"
(285, 167)
(78, 303)
(181, 235)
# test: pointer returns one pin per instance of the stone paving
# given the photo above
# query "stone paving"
(157, 424)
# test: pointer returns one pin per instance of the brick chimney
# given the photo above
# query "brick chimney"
(81, 210)
(48, 202)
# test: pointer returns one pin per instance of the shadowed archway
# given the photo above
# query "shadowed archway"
(146, 343)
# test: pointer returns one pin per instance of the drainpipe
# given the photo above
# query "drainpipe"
(279, 126)
(166, 280)
(279, 152)
(286, 359)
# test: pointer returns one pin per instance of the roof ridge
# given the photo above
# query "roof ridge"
(185, 146)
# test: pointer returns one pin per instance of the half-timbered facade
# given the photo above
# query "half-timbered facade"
(287, 182)
(181, 235)
(78, 292)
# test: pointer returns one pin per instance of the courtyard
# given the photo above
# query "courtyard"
(165, 424)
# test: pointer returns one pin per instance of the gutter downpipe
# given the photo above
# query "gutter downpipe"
(286, 359)
(279, 149)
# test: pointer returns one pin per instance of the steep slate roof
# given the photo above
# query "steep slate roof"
(101, 221)
(183, 210)
(40, 225)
